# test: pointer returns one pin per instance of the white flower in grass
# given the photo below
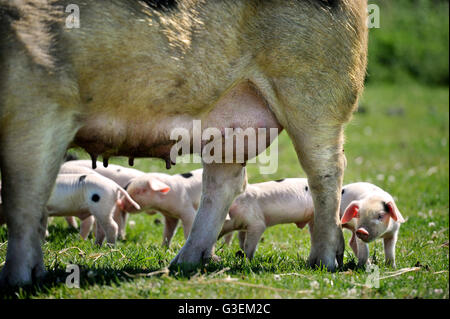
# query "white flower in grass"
(314, 284)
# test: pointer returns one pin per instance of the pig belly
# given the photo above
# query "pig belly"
(289, 215)
(142, 132)
(68, 211)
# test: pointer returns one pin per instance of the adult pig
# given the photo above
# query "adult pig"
(119, 81)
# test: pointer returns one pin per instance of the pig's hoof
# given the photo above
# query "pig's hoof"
(190, 258)
(323, 262)
(327, 257)
(21, 276)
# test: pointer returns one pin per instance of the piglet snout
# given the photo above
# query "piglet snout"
(362, 233)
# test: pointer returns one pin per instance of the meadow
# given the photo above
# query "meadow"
(398, 139)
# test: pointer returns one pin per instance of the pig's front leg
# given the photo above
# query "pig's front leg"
(120, 217)
(389, 249)
(227, 239)
(27, 184)
(71, 222)
(241, 236)
(86, 226)
(170, 224)
(110, 228)
(221, 184)
(353, 244)
(99, 234)
(363, 252)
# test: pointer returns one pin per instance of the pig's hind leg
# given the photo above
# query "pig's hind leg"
(221, 184)
(320, 151)
(110, 228)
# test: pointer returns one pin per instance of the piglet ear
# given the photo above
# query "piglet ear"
(351, 212)
(394, 212)
(158, 186)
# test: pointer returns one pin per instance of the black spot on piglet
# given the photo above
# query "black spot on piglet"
(343, 191)
(306, 188)
(82, 178)
(186, 175)
(95, 198)
(279, 180)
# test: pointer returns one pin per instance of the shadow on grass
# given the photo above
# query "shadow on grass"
(89, 276)
(107, 276)
(238, 264)
(234, 263)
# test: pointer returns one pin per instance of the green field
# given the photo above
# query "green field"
(398, 140)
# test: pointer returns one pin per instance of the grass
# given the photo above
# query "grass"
(411, 42)
(398, 140)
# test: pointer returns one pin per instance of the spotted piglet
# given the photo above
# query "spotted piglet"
(175, 196)
(83, 195)
(267, 204)
(370, 213)
(119, 174)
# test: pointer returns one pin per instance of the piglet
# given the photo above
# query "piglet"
(119, 174)
(83, 195)
(174, 196)
(370, 213)
(267, 204)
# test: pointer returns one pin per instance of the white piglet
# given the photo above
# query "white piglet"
(267, 204)
(82, 195)
(175, 196)
(119, 174)
(370, 213)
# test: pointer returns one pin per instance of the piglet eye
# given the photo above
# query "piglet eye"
(380, 216)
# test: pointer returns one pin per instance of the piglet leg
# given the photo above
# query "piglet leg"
(86, 226)
(363, 252)
(170, 224)
(254, 233)
(242, 236)
(389, 250)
